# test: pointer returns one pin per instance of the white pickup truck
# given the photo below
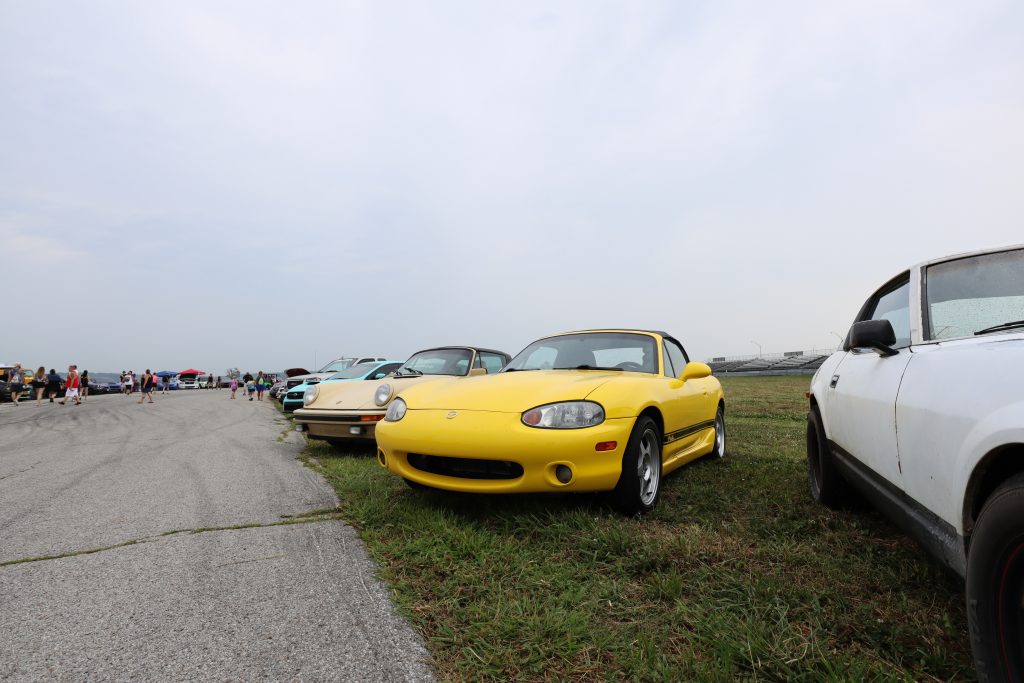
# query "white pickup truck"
(922, 413)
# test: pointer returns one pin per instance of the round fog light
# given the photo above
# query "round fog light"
(563, 474)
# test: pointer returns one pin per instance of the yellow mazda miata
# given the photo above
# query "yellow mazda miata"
(600, 410)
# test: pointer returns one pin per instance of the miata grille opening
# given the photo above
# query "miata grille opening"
(466, 468)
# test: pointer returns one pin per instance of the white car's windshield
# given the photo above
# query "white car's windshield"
(589, 351)
(338, 365)
(438, 362)
(976, 295)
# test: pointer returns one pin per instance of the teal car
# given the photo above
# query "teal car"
(375, 370)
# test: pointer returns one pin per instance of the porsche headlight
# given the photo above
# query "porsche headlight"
(396, 411)
(383, 393)
(310, 394)
(565, 415)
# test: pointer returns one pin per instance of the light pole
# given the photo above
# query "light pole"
(758, 347)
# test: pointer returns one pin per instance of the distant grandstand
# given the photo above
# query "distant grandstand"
(789, 363)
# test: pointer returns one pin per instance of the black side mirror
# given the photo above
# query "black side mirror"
(877, 335)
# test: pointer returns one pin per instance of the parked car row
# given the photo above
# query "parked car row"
(597, 410)
(920, 413)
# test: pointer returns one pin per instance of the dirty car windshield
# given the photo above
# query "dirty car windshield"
(977, 294)
(437, 362)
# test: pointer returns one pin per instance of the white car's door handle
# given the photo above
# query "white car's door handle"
(834, 382)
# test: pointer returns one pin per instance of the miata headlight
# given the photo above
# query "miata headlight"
(396, 411)
(383, 393)
(310, 394)
(565, 415)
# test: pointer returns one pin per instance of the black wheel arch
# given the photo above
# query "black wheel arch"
(654, 414)
(998, 465)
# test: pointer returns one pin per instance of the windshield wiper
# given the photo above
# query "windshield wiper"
(519, 369)
(407, 371)
(1001, 326)
(590, 367)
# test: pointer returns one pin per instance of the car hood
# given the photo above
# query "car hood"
(507, 392)
(359, 395)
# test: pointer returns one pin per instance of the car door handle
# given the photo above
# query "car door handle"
(834, 382)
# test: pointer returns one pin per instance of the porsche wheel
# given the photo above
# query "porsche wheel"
(719, 451)
(995, 585)
(640, 481)
(826, 483)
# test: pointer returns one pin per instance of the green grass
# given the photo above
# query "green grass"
(737, 575)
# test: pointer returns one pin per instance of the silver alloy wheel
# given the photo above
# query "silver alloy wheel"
(720, 434)
(648, 467)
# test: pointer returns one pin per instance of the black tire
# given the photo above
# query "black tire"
(995, 585)
(633, 494)
(719, 450)
(826, 483)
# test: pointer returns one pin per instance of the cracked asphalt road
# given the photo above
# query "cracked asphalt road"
(278, 602)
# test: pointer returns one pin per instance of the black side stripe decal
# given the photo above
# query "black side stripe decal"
(687, 431)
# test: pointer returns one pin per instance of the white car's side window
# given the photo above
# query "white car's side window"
(894, 306)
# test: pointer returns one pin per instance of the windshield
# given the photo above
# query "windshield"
(590, 350)
(438, 362)
(338, 365)
(972, 295)
(356, 371)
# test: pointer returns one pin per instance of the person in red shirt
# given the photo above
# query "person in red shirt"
(72, 385)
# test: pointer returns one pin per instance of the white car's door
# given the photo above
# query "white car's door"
(861, 399)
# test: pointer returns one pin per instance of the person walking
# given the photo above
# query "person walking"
(261, 385)
(165, 384)
(128, 381)
(247, 384)
(84, 391)
(52, 384)
(39, 384)
(16, 382)
(234, 387)
(219, 387)
(72, 385)
(147, 387)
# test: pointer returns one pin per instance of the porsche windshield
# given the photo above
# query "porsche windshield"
(589, 351)
(437, 362)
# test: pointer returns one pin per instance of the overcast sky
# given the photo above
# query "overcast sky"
(262, 184)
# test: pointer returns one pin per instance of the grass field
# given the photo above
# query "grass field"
(737, 575)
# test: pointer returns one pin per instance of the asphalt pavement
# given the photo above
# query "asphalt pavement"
(117, 561)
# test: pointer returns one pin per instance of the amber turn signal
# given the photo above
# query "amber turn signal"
(606, 446)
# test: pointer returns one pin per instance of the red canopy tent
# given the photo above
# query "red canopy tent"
(192, 371)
